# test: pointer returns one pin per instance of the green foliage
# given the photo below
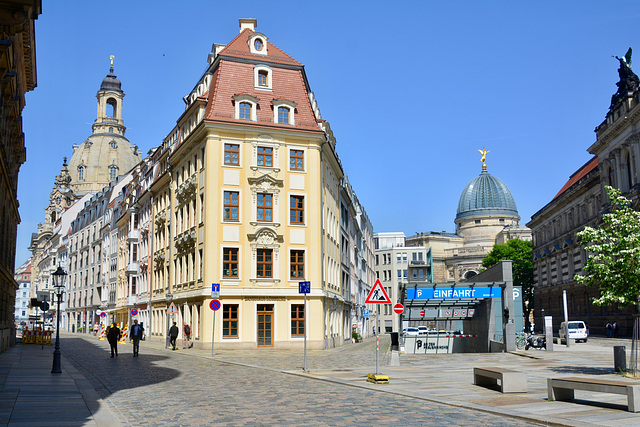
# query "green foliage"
(521, 253)
(613, 247)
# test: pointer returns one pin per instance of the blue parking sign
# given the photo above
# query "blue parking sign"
(304, 287)
(366, 313)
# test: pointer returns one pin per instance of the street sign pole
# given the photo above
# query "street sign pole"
(377, 335)
(304, 288)
(305, 332)
(213, 332)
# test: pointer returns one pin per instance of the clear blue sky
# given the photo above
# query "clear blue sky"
(411, 89)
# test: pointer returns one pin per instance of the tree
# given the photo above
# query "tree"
(520, 252)
(614, 253)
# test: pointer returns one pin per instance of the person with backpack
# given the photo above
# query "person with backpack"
(186, 336)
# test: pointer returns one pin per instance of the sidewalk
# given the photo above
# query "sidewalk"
(31, 395)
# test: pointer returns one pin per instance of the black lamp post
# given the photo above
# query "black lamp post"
(58, 283)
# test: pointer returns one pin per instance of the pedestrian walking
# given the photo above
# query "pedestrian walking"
(173, 335)
(615, 329)
(374, 331)
(113, 336)
(136, 335)
(609, 330)
(186, 336)
(95, 329)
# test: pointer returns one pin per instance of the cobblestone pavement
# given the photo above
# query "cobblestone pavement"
(189, 387)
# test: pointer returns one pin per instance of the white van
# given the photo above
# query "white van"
(577, 330)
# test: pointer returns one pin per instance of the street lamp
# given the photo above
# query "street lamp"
(169, 300)
(58, 284)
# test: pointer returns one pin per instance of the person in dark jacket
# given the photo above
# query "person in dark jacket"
(173, 335)
(136, 336)
(113, 336)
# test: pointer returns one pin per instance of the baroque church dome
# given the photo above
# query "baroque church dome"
(486, 195)
(106, 153)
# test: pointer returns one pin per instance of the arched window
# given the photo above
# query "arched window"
(113, 172)
(112, 144)
(283, 115)
(245, 110)
(263, 78)
(81, 173)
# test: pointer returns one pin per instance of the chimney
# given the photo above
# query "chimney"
(248, 23)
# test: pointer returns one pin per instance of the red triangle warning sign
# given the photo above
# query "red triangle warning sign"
(378, 295)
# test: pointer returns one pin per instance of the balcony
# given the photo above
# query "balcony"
(132, 300)
(133, 268)
(134, 235)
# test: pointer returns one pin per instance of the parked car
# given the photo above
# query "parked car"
(577, 330)
(411, 332)
(423, 330)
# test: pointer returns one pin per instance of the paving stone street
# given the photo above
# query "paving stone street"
(188, 387)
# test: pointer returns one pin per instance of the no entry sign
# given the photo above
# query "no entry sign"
(398, 308)
(214, 304)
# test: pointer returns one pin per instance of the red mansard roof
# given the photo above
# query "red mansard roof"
(237, 77)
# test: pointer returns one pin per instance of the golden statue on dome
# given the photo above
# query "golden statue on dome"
(111, 58)
(484, 156)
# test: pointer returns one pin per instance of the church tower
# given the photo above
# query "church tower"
(107, 153)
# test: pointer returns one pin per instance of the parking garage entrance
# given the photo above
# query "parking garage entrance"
(465, 317)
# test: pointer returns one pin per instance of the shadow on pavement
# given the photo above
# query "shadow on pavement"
(583, 370)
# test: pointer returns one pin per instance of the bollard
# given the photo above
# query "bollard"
(619, 358)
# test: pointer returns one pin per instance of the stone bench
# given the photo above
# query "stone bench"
(563, 389)
(510, 381)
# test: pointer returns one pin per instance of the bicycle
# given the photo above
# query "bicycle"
(521, 340)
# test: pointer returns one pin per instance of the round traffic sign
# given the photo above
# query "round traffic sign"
(214, 304)
(103, 314)
(134, 312)
(398, 308)
(421, 313)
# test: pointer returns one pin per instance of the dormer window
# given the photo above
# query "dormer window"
(283, 111)
(262, 77)
(258, 43)
(246, 106)
(81, 173)
(245, 110)
(283, 115)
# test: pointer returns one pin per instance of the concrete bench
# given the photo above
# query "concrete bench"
(563, 389)
(510, 381)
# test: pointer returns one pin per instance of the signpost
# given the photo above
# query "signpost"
(134, 312)
(215, 290)
(378, 296)
(398, 308)
(305, 288)
(215, 306)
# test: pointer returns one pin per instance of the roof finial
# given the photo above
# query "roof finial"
(111, 58)
(484, 156)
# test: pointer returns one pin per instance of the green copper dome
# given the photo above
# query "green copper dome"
(486, 195)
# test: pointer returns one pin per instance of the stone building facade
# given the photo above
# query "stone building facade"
(18, 72)
(580, 203)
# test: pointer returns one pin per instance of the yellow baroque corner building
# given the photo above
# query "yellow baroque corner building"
(247, 196)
